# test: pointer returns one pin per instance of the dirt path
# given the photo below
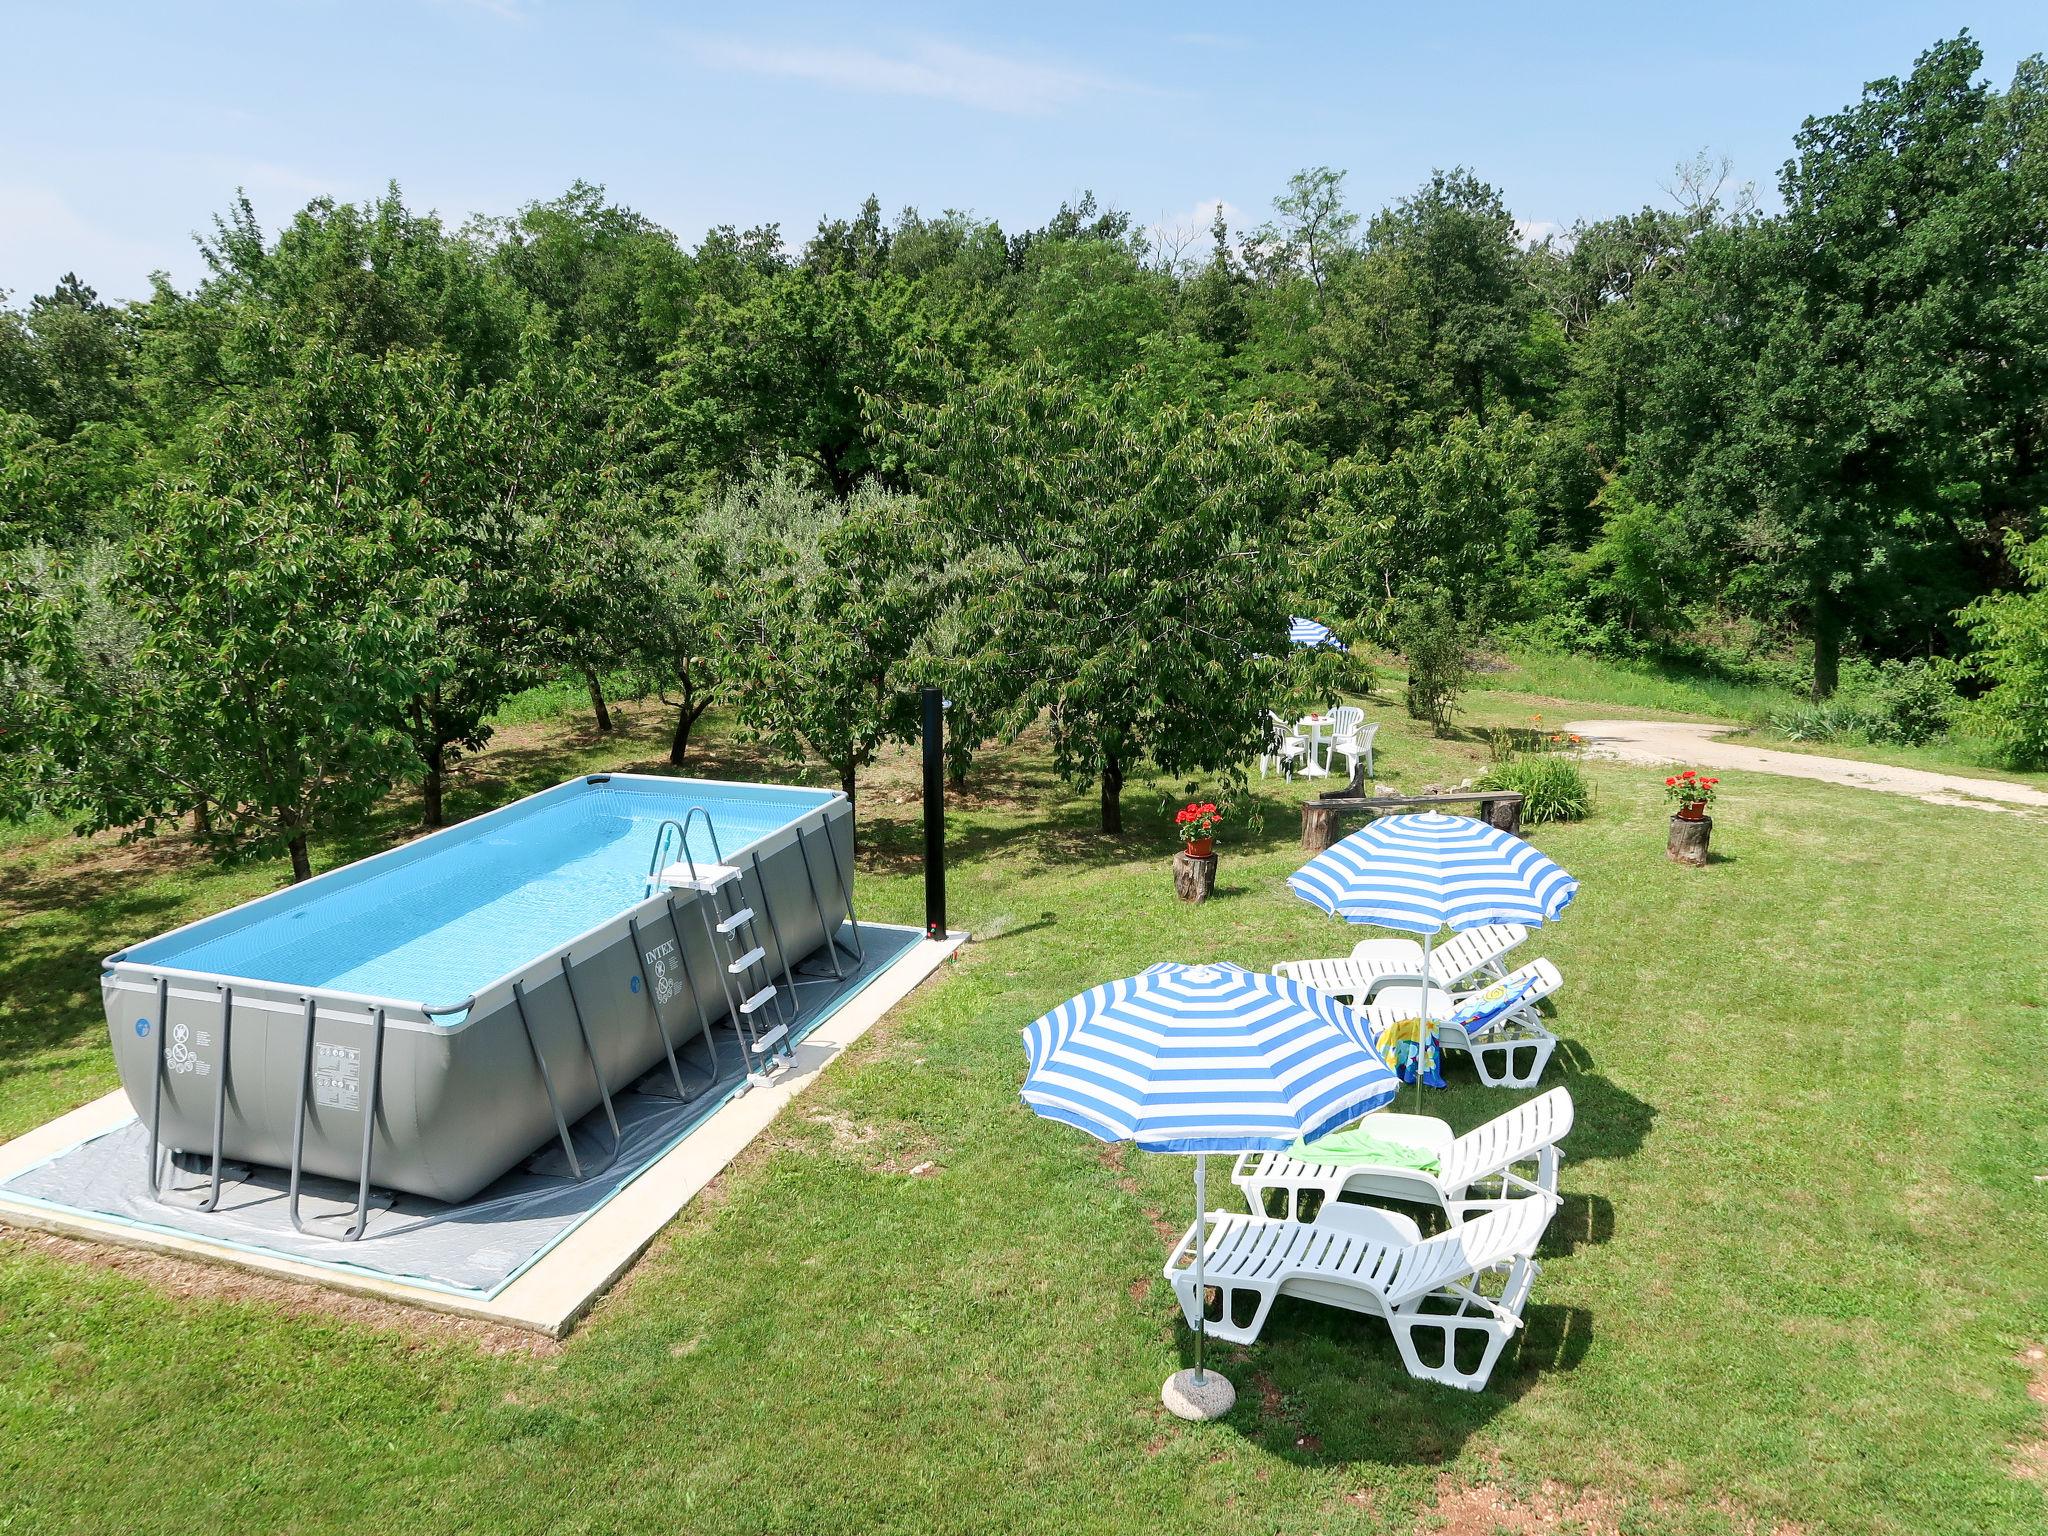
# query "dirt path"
(1699, 745)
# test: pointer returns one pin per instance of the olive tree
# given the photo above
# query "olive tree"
(829, 612)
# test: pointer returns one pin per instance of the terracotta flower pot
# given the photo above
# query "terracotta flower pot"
(1199, 847)
(1693, 810)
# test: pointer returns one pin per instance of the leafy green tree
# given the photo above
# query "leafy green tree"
(1641, 572)
(66, 490)
(79, 356)
(799, 366)
(613, 283)
(1852, 391)
(1088, 307)
(1437, 639)
(276, 661)
(591, 573)
(1454, 241)
(1312, 229)
(1459, 515)
(467, 483)
(338, 279)
(1142, 599)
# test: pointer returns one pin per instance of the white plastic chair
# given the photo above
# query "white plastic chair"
(1469, 1280)
(1511, 1157)
(1353, 739)
(1284, 748)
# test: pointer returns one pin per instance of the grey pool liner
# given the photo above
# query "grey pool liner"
(475, 1247)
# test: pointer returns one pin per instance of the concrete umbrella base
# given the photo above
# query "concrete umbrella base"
(1210, 1398)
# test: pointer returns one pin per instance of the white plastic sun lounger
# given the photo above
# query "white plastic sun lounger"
(1512, 1157)
(1468, 1282)
(1376, 963)
(1509, 1050)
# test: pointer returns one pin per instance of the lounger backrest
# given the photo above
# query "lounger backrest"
(1464, 953)
(1506, 1139)
(1510, 1232)
(1406, 1002)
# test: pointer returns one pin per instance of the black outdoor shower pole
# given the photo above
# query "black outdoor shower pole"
(934, 814)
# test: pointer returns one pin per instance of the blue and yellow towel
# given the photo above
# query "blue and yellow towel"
(1405, 1042)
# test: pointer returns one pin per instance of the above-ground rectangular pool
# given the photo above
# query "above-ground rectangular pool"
(424, 1019)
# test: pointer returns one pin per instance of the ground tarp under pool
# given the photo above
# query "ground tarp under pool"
(473, 1248)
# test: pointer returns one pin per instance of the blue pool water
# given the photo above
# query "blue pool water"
(472, 904)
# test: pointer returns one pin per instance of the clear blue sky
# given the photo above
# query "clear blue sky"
(123, 127)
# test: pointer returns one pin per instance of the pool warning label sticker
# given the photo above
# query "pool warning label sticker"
(179, 1055)
(337, 1076)
(664, 968)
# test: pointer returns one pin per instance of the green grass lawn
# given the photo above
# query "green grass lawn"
(1801, 1255)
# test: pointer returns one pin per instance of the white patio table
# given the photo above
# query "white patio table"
(1317, 729)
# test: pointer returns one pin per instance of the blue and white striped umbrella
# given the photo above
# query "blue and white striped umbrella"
(1203, 1058)
(1430, 871)
(1309, 633)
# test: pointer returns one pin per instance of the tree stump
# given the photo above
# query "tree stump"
(1502, 815)
(1688, 842)
(1193, 879)
(1318, 825)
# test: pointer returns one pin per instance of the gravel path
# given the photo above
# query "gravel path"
(1699, 745)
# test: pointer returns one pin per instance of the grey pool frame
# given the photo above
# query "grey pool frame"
(440, 1098)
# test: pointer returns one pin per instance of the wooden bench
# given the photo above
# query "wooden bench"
(1320, 818)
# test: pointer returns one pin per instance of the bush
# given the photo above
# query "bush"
(1895, 703)
(1552, 787)
(2011, 634)
(1914, 700)
(1438, 646)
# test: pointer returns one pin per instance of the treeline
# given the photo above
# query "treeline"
(283, 541)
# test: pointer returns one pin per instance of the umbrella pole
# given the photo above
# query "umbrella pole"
(1422, 1024)
(1201, 1235)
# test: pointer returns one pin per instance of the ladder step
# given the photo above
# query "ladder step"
(708, 877)
(737, 921)
(748, 961)
(767, 1041)
(758, 999)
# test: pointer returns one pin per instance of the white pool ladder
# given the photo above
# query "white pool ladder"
(762, 1012)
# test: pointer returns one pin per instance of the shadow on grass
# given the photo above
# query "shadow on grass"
(1326, 1387)
(1607, 1120)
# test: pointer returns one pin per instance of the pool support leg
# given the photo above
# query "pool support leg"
(156, 1083)
(604, 1092)
(690, 980)
(547, 1081)
(220, 1093)
(299, 1122)
(372, 1092)
(818, 901)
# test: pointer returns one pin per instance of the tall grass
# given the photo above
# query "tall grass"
(1635, 685)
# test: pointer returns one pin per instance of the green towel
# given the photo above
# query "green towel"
(1358, 1145)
